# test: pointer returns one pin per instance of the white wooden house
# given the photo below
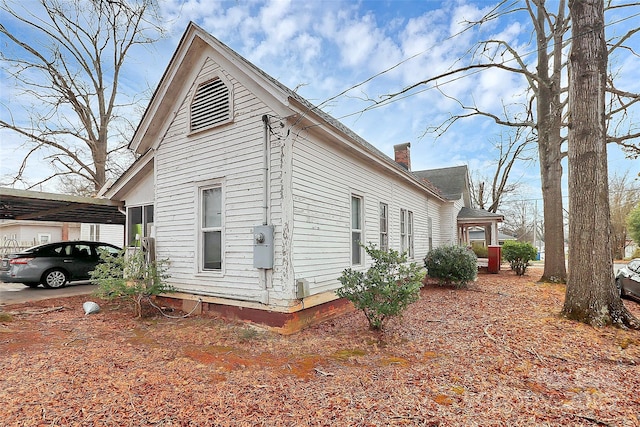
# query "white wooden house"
(258, 199)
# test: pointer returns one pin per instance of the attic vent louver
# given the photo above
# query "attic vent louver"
(211, 105)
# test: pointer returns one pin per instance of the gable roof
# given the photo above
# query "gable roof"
(181, 72)
(472, 215)
(453, 182)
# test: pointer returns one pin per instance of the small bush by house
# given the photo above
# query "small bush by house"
(452, 265)
(386, 289)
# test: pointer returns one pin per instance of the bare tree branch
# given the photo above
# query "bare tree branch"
(73, 75)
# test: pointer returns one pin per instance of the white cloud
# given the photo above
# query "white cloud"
(329, 46)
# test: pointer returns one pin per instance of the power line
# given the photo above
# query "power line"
(394, 98)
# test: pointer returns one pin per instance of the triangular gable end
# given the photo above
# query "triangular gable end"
(194, 48)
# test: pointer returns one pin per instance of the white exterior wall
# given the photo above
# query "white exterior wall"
(108, 233)
(231, 154)
(27, 233)
(324, 178)
(143, 193)
(449, 224)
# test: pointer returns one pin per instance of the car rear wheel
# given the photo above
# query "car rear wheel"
(32, 284)
(619, 287)
(54, 279)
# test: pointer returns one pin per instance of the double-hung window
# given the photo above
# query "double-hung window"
(406, 232)
(430, 232)
(211, 228)
(356, 230)
(410, 234)
(384, 227)
(403, 230)
(94, 232)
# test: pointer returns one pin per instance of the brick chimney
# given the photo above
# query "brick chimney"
(402, 155)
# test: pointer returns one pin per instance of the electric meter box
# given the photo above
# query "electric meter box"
(263, 246)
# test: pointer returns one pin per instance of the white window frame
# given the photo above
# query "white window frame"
(202, 229)
(94, 232)
(410, 234)
(406, 233)
(356, 228)
(203, 81)
(403, 230)
(430, 232)
(147, 224)
(384, 226)
(46, 236)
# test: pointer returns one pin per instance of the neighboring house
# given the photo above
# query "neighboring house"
(478, 236)
(26, 233)
(630, 248)
(259, 200)
(21, 234)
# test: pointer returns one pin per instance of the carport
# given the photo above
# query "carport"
(40, 206)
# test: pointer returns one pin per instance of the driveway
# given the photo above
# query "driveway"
(16, 293)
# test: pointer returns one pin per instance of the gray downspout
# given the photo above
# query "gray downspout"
(265, 196)
(265, 199)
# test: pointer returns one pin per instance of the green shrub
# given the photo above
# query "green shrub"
(518, 254)
(636, 253)
(129, 276)
(480, 250)
(454, 265)
(386, 289)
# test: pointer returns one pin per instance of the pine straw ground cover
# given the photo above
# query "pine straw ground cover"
(495, 354)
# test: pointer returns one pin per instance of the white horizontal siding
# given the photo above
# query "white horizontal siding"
(232, 153)
(323, 181)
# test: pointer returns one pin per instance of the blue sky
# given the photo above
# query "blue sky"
(324, 47)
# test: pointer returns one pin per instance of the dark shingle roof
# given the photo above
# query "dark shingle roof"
(451, 181)
(470, 213)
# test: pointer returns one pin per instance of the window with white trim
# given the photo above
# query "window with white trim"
(44, 238)
(430, 232)
(94, 232)
(211, 228)
(384, 227)
(406, 232)
(356, 230)
(211, 105)
(410, 234)
(139, 223)
(403, 230)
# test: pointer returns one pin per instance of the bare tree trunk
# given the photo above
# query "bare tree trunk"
(549, 110)
(591, 295)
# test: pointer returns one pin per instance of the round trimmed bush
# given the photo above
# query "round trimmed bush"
(452, 265)
(519, 254)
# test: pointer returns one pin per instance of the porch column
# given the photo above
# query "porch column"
(494, 233)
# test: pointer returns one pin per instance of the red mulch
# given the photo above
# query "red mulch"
(496, 354)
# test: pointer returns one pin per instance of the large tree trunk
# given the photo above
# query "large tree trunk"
(591, 295)
(549, 124)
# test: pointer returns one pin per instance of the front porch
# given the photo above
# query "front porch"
(469, 218)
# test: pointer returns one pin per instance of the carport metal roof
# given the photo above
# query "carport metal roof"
(39, 206)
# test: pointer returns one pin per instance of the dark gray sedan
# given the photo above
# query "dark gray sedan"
(628, 279)
(54, 264)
